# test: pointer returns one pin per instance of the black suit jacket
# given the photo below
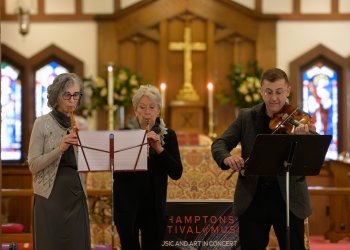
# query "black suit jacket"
(244, 130)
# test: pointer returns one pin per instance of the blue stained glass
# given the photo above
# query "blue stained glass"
(43, 78)
(320, 100)
(11, 112)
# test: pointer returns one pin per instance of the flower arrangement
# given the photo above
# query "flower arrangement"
(245, 86)
(95, 95)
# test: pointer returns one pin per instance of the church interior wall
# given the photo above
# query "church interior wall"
(77, 38)
(294, 38)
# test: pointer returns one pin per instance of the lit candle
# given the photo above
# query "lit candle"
(162, 93)
(210, 97)
(110, 85)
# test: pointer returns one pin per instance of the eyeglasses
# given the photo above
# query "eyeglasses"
(68, 96)
(270, 93)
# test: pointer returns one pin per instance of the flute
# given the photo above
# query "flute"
(147, 130)
(72, 121)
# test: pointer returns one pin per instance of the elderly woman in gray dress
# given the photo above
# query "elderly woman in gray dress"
(60, 215)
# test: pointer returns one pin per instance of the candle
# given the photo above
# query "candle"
(162, 93)
(210, 97)
(110, 85)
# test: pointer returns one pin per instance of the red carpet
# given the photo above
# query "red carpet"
(320, 243)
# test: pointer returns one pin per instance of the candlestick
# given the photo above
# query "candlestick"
(110, 82)
(162, 95)
(210, 97)
(211, 133)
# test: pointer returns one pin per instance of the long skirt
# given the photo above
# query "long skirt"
(61, 222)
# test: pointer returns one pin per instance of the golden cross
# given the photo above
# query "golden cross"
(187, 93)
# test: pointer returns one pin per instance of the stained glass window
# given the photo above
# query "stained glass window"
(320, 100)
(11, 112)
(43, 78)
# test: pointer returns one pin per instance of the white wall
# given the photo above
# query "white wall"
(294, 38)
(77, 38)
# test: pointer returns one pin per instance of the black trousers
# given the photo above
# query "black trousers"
(269, 209)
(138, 220)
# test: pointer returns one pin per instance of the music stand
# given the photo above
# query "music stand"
(296, 155)
(93, 157)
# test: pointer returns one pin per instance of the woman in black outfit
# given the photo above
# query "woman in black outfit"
(140, 197)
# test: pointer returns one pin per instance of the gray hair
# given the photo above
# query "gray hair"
(149, 91)
(60, 85)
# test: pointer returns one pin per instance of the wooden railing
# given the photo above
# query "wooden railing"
(27, 237)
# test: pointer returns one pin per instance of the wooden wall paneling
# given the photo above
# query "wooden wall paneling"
(246, 52)
(171, 17)
(127, 54)
(19, 208)
(210, 70)
(223, 114)
(319, 219)
(175, 58)
(227, 15)
(210, 40)
(148, 61)
(163, 69)
(107, 46)
(199, 58)
(266, 44)
(148, 14)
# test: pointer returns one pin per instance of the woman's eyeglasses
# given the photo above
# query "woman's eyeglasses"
(75, 95)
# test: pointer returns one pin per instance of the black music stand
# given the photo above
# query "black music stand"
(296, 155)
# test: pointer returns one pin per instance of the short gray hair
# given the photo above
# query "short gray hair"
(151, 92)
(60, 85)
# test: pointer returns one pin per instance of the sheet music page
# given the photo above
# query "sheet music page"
(127, 150)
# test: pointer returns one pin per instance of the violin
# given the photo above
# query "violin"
(284, 122)
(288, 118)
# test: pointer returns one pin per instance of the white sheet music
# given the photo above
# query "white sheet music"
(123, 161)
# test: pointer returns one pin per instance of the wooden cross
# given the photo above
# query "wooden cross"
(187, 93)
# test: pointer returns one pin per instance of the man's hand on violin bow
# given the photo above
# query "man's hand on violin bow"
(235, 162)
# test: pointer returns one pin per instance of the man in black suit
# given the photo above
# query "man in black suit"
(259, 202)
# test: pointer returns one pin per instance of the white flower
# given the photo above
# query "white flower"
(100, 82)
(243, 89)
(103, 92)
(257, 83)
(88, 93)
(133, 81)
(123, 91)
(122, 76)
(256, 97)
(247, 98)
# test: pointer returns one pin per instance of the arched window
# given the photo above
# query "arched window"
(11, 112)
(320, 100)
(43, 78)
(23, 95)
(316, 78)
